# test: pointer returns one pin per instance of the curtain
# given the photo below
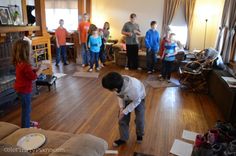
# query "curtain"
(170, 7)
(230, 33)
(189, 10)
(61, 4)
(222, 25)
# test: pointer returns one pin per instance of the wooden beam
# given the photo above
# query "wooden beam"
(89, 7)
(41, 17)
(24, 12)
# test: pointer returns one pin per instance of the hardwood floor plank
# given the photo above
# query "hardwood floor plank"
(81, 105)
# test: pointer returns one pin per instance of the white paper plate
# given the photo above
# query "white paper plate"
(31, 141)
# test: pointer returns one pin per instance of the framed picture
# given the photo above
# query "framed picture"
(15, 14)
(5, 17)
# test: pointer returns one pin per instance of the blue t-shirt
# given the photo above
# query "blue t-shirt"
(95, 44)
(170, 49)
(152, 40)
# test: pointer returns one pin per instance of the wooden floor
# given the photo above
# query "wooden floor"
(81, 105)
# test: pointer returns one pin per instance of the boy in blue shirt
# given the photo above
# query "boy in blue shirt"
(94, 44)
(152, 40)
(168, 57)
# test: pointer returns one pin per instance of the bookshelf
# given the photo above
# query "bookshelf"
(41, 48)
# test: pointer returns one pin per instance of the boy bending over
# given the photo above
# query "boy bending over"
(131, 96)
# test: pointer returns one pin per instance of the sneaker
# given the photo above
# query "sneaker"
(126, 68)
(34, 124)
(101, 65)
(65, 64)
(83, 65)
(149, 72)
(118, 143)
(139, 139)
(97, 68)
(57, 65)
(153, 70)
(159, 76)
(90, 70)
(139, 68)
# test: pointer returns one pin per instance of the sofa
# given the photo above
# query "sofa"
(121, 59)
(57, 143)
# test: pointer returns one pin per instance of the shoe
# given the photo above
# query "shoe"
(90, 70)
(153, 70)
(34, 124)
(101, 65)
(126, 68)
(139, 68)
(159, 76)
(149, 72)
(65, 64)
(139, 139)
(97, 68)
(83, 65)
(57, 65)
(118, 143)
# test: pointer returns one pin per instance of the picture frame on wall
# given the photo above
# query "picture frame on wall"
(5, 16)
(15, 14)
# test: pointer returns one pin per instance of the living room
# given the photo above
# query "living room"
(74, 110)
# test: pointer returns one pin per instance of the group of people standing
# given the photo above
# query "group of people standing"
(167, 50)
(91, 39)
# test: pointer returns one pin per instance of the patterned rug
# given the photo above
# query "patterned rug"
(154, 82)
(59, 75)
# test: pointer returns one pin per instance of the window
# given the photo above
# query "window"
(63, 9)
(179, 25)
(70, 17)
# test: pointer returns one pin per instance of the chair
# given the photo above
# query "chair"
(192, 74)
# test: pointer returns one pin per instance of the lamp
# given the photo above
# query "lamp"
(206, 20)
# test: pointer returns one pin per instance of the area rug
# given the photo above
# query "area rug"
(154, 82)
(86, 74)
(59, 75)
(141, 154)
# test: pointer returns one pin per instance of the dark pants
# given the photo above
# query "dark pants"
(94, 59)
(25, 100)
(61, 51)
(132, 55)
(166, 69)
(139, 122)
(102, 55)
(85, 54)
(151, 60)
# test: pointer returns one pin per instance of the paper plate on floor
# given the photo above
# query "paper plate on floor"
(31, 141)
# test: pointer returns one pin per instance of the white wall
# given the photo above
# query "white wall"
(212, 10)
(117, 12)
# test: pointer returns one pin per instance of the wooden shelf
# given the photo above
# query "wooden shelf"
(8, 29)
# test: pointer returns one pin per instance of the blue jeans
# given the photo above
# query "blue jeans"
(94, 59)
(151, 60)
(166, 69)
(102, 54)
(85, 54)
(25, 100)
(61, 51)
